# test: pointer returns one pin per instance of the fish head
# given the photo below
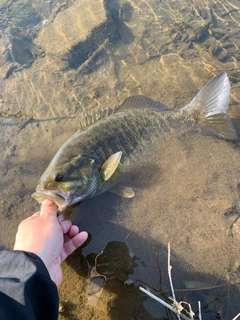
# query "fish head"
(68, 183)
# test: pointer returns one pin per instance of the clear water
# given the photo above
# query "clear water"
(59, 58)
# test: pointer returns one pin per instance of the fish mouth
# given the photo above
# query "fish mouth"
(61, 199)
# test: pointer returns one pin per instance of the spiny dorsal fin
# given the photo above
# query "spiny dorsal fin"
(132, 103)
(89, 118)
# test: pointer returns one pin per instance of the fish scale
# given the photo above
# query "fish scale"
(126, 132)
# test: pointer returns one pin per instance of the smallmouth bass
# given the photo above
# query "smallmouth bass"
(111, 142)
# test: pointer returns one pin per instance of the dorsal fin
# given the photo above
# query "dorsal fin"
(89, 118)
(138, 102)
(132, 103)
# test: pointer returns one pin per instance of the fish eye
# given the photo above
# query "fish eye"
(59, 177)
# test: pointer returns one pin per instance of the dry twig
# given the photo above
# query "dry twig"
(238, 315)
(177, 307)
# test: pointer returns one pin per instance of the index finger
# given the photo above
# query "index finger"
(48, 208)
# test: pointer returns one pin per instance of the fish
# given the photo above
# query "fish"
(111, 142)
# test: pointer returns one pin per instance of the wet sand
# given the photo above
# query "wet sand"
(189, 193)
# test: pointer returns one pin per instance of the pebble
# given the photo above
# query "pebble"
(45, 21)
(236, 230)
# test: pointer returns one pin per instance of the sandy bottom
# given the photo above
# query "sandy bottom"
(187, 194)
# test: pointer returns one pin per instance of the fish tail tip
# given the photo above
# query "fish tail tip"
(212, 105)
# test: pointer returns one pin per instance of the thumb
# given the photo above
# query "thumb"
(48, 208)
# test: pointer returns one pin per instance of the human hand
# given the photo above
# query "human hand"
(50, 237)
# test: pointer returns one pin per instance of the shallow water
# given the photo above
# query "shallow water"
(188, 195)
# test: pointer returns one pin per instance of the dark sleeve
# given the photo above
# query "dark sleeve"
(26, 289)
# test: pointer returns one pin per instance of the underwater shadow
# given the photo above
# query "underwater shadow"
(143, 264)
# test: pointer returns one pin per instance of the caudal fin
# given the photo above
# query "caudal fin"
(211, 104)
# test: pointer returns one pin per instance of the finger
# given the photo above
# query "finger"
(61, 217)
(74, 243)
(73, 231)
(66, 226)
(48, 208)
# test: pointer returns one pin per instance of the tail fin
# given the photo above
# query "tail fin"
(211, 104)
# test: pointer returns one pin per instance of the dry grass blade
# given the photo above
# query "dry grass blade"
(237, 316)
(175, 303)
(177, 307)
(165, 304)
(199, 310)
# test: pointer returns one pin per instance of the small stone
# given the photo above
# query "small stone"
(76, 32)
(45, 21)
(236, 230)
(128, 283)
(60, 308)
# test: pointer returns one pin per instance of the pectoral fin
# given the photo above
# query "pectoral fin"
(110, 165)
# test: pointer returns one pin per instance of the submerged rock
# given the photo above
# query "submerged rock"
(77, 32)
